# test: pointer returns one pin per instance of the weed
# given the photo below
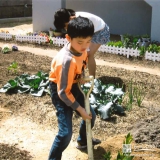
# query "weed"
(107, 156)
(139, 94)
(13, 67)
(130, 95)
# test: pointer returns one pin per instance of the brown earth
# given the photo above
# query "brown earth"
(28, 124)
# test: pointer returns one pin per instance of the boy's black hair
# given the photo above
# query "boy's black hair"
(61, 17)
(80, 27)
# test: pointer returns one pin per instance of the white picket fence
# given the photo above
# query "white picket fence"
(152, 56)
(59, 41)
(121, 51)
(103, 48)
(31, 38)
(5, 36)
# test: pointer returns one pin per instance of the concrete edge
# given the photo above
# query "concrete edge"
(19, 19)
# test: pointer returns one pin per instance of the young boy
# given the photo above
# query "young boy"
(101, 31)
(66, 68)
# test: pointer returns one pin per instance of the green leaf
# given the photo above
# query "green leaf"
(44, 84)
(129, 139)
(118, 109)
(105, 110)
(23, 88)
(10, 85)
(42, 75)
(38, 92)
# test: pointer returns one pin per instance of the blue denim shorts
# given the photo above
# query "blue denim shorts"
(102, 36)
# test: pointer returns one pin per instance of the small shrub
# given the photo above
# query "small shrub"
(13, 67)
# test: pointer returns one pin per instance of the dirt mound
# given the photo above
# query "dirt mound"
(147, 131)
(11, 152)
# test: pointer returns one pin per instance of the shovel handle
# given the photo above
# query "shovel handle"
(88, 122)
(87, 79)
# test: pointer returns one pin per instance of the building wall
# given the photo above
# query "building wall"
(43, 12)
(155, 32)
(122, 16)
(15, 8)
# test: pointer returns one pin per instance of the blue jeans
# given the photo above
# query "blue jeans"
(64, 116)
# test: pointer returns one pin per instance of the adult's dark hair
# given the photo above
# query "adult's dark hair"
(80, 27)
(61, 17)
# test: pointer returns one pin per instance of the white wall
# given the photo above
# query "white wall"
(123, 16)
(155, 31)
(43, 13)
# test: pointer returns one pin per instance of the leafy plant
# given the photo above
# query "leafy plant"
(125, 154)
(118, 44)
(128, 139)
(142, 50)
(145, 36)
(104, 98)
(13, 67)
(107, 156)
(130, 37)
(126, 42)
(139, 94)
(6, 49)
(153, 48)
(111, 43)
(35, 84)
(130, 95)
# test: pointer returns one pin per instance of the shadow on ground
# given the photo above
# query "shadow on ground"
(11, 152)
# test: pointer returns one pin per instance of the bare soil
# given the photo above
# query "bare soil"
(28, 124)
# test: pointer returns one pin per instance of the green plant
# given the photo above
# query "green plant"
(135, 41)
(153, 48)
(111, 43)
(118, 44)
(126, 42)
(6, 49)
(125, 154)
(142, 50)
(115, 43)
(107, 156)
(13, 67)
(130, 37)
(139, 94)
(104, 98)
(128, 139)
(35, 84)
(130, 95)
(145, 36)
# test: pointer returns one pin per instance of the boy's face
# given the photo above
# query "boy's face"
(79, 44)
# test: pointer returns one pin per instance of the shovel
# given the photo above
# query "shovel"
(88, 122)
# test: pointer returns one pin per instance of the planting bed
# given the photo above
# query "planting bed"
(28, 124)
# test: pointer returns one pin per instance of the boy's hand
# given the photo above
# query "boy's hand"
(83, 113)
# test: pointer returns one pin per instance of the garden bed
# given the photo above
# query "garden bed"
(38, 111)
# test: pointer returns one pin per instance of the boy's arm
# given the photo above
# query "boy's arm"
(83, 113)
(65, 74)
